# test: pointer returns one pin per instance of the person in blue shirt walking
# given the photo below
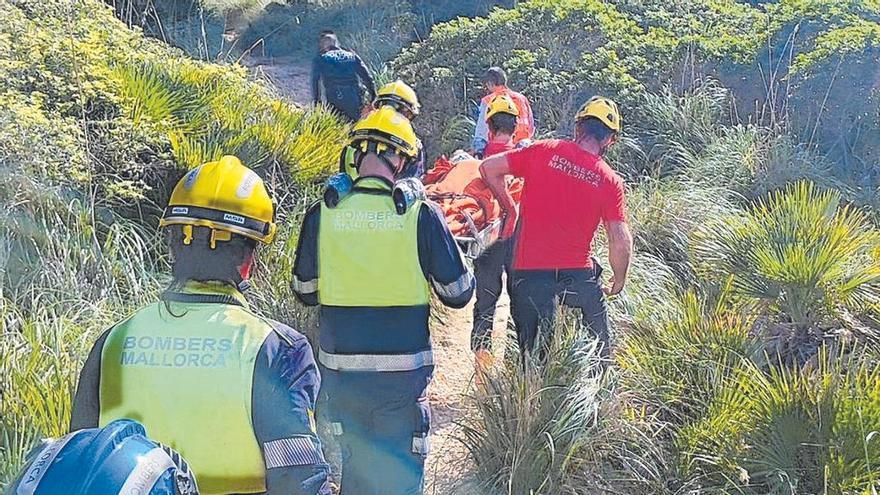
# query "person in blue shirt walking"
(340, 78)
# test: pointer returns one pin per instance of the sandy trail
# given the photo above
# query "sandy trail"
(448, 463)
(289, 75)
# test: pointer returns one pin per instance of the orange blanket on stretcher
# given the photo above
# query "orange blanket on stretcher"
(460, 191)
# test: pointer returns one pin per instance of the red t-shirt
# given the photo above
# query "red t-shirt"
(495, 147)
(567, 193)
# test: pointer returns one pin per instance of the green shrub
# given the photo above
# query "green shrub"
(802, 259)
(792, 431)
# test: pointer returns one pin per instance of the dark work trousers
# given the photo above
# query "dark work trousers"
(382, 422)
(535, 294)
(346, 102)
(488, 270)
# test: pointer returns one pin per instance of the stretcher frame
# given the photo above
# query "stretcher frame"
(474, 245)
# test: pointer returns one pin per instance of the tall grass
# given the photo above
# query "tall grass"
(665, 214)
(66, 277)
(536, 420)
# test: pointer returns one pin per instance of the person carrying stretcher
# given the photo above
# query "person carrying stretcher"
(462, 193)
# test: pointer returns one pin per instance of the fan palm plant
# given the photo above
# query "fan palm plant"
(207, 113)
(802, 260)
(676, 368)
(792, 430)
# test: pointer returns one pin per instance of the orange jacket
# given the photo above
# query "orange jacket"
(460, 191)
(525, 122)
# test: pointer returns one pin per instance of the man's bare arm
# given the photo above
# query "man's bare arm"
(494, 171)
(620, 247)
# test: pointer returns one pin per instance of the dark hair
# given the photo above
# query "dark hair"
(496, 76)
(503, 123)
(198, 261)
(328, 37)
(593, 128)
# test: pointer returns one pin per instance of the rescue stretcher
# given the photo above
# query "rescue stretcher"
(470, 209)
(472, 246)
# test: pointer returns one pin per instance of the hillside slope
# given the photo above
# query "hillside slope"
(813, 67)
(97, 123)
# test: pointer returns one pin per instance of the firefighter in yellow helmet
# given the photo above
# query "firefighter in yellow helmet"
(231, 390)
(569, 191)
(371, 260)
(492, 264)
(401, 97)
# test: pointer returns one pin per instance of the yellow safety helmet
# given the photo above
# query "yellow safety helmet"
(501, 104)
(398, 94)
(603, 109)
(226, 197)
(383, 128)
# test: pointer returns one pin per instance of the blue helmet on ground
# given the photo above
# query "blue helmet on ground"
(116, 459)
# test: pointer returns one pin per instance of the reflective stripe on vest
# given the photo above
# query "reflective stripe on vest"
(376, 362)
(368, 254)
(188, 378)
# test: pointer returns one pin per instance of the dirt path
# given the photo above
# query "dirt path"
(290, 75)
(448, 463)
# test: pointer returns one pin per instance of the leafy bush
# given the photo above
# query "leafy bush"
(377, 29)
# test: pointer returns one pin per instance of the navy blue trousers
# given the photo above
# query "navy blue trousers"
(382, 421)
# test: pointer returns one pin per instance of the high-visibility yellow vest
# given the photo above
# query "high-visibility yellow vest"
(186, 375)
(368, 254)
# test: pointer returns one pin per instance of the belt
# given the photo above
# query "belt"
(376, 362)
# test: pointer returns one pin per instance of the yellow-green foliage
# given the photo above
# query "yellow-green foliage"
(791, 430)
(209, 111)
(800, 251)
(96, 125)
(102, 104)
(560, 52)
